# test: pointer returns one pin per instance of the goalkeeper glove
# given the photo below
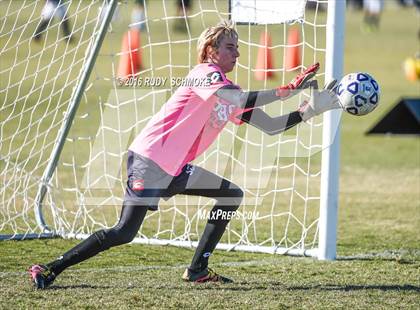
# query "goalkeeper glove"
(320, 101)
(300, 82)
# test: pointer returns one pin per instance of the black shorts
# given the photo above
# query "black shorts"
(147, 183)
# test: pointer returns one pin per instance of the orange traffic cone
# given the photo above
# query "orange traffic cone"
(264, 58)
(293, 50)
(130, 59)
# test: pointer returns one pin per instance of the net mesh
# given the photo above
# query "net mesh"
(279, 174)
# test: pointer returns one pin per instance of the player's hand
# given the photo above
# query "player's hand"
(302, 81)
(320, 101)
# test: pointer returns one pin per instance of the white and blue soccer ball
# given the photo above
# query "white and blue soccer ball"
(358, 93)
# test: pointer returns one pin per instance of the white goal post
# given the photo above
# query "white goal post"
(67, 117)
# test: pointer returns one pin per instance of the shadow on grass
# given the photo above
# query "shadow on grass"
(381, 287)
(403, 256)
(246, 286)
(383, 259)
(77, 286)
(278, 286)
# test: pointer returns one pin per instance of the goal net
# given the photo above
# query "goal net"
(104, 68)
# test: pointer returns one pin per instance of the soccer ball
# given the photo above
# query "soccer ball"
(358, 93)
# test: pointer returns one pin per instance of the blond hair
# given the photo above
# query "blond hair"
(212, 36)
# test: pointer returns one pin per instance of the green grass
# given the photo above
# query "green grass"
(149, 277)
(378, 228)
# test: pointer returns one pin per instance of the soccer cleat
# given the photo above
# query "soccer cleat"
(41, 276)
(206, 275)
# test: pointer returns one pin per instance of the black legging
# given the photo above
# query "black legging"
(228, 198)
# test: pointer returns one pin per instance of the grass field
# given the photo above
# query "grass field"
(378, 263)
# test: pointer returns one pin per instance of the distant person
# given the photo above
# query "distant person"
(373, 10)
(356, 5)
(314, 5)
(102, 10)
(405, 3)
(137, 15)
(183, 9)
(53, 8)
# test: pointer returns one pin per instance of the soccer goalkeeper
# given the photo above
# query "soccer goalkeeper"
(159, 158)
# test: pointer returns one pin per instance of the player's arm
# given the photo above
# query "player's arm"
(254, 99)
(320, 102)
(270, 125)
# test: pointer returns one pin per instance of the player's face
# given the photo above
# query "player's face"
(226, 55)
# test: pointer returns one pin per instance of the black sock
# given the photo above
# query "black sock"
(212, 234)
(126, 229)
(87, 248)
(66, 28)
(40, 29)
